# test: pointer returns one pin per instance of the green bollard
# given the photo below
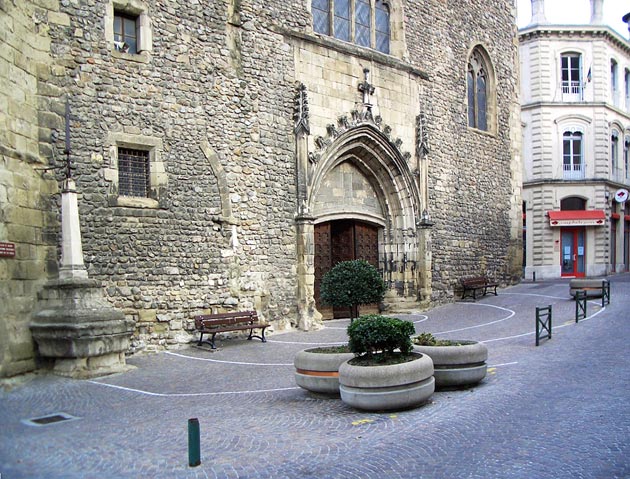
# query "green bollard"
(194, 449)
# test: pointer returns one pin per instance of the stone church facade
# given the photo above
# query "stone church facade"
(227, 153)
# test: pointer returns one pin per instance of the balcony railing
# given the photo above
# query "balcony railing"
(572, 91)
(573, 172)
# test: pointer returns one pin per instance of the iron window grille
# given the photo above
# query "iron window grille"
(133, 172)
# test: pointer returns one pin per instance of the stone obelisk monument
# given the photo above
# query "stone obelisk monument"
(74, 325)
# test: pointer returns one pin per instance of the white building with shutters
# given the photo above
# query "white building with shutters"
(575, 101)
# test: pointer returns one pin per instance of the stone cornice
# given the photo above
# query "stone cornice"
(351, 49)
(574, 32)
(578, 105)
(584, 182)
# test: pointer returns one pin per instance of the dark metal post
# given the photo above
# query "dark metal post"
(605, 292)
(194, 448)
(534, 276)
(580, 305)
(542, 324)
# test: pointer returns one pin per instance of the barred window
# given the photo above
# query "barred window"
(133, 172)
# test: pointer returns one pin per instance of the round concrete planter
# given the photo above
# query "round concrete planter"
(457, 366)
(319, 372)
(386, 388)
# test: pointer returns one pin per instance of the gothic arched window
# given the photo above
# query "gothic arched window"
(477, 85)
(363, 22)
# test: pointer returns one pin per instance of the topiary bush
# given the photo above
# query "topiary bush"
(352, 283)
(374, 334)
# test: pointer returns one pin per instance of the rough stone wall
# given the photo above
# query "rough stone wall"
(26, 198)
(474, 194)
(215, 93)
(206, 80)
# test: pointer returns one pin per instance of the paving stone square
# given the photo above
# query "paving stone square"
(559, 410)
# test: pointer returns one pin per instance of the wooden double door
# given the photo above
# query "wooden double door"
(343, 240)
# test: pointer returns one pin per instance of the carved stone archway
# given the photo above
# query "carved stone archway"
(380, 163)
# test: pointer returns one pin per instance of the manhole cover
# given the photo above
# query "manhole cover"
(49, 419)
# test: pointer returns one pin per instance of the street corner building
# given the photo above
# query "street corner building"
(575, 102)
(228, 153)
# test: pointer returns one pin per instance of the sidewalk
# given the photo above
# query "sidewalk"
(560, 410)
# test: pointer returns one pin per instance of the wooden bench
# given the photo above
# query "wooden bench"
(478, 283)
(224, 322)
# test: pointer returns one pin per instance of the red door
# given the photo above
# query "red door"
(572, 254)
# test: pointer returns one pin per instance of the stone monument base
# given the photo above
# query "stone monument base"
(75, 326)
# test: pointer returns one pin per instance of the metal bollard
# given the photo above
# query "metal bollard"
(543, 323)
(194, 448)
(605, 292)
(580, 305)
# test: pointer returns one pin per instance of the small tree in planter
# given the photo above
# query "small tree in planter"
(385, 374)
(376, 338)
(351, 284)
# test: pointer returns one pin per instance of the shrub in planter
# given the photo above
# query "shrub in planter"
(457, 363)
(385, 374)
(351, 284)
(377, 337)
(317, 369)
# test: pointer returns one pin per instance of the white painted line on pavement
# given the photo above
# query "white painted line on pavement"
(223, 361)
(423, 316)
(219, 393)
(501, 365)
(512, 313)
(539, 295)
(338, 343)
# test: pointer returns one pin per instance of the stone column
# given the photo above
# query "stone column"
(424, 261)
(308, 317)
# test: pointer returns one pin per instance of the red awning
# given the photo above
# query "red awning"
(577, 218)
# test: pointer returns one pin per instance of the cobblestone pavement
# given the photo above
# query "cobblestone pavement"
(560, 410)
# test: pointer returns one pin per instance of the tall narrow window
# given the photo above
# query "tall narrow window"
(321, 16)
(626, 158)
(342, 19)
(133, 172)
(572, 155)
(614, 152)
(571, 73)
(363, 22)
(477, 85)
(627, 88)
(613, 83)
(382, 27)
(125, 32)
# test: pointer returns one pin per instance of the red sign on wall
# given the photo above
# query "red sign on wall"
(7, 250)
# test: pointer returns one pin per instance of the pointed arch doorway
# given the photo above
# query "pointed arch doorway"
(343, 240)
